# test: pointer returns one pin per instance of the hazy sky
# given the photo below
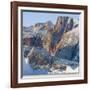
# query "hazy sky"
(31, 18)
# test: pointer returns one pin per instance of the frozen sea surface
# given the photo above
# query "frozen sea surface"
(27, 69)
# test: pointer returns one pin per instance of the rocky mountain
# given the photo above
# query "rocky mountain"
(28, 29)
(70, 38)
(52, 46)
(49, 26)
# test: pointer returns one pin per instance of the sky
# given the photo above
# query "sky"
(31, 18)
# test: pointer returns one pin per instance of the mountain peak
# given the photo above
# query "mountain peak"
(49, 26)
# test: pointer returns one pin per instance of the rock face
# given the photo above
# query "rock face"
(53, 46)
(69, 38)
(49, 26)
(60, 35)
(61, 23)
(59, 30)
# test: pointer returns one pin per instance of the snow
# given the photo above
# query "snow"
(26, 60)
(67, 71)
